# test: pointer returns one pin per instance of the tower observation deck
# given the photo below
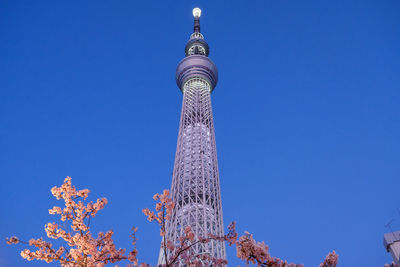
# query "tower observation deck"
(195, 185)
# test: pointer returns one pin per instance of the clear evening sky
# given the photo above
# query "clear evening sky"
(306, 114)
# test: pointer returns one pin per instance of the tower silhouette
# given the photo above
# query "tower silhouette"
(195, 185)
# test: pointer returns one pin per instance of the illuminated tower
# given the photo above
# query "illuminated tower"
(195, 183)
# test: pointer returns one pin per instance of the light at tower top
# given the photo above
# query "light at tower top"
(196, 12)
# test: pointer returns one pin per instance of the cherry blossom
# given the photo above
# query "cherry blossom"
(83, 249)
(330, 261)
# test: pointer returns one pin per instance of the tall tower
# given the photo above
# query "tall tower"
(195, 183)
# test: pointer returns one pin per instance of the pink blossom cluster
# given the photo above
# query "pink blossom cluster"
(12, 240)
(232, 235)
(331, 260)
(253, 252)
(44, 251)
(82, 248)
(163, 210)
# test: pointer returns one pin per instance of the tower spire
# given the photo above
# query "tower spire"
(196, 44)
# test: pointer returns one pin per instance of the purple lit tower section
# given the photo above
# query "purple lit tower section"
(195, 183)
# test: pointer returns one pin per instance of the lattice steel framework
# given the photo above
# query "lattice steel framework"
(195, 184)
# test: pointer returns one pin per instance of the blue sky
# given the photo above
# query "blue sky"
(306, 115)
